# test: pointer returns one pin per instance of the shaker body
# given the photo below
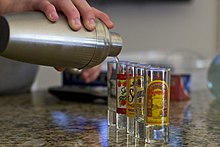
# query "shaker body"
(30, 37)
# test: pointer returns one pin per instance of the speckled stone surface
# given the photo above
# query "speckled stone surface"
(41, 119)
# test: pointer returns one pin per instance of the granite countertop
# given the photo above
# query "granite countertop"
(40, 119)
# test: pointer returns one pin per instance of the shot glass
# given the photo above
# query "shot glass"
(111, 84)
(121, 95)
(130, 110)
(139, 96)
(157, 103)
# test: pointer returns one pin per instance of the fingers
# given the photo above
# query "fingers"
(89, 75)
(70, 11)
(48, 8)
(73, 10)
(59, 68)
(87, 14)
(103, 17)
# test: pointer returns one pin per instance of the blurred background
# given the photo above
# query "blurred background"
(185, 33)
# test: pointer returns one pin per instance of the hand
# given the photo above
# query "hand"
(87, 75)
(91, 74)
(72, 9)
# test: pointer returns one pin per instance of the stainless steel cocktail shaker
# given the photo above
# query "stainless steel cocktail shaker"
(30, 37)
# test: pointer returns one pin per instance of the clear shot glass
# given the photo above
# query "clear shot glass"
(130, 110)
(139, 96)
(111, 84)
(121, 95)
(157, 103)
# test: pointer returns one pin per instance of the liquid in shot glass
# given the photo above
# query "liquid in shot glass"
(157, 103)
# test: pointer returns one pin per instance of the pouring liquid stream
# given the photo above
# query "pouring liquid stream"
(116, 59)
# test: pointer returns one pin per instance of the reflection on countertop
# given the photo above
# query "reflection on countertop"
(40, 119)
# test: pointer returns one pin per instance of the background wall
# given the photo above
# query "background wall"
(189, 26)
